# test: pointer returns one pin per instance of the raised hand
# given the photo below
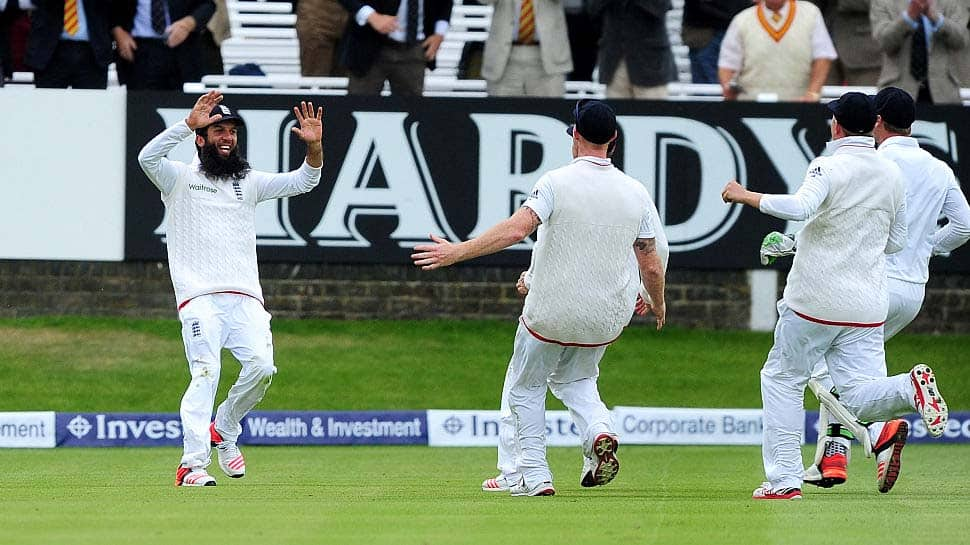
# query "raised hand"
(199, 116)
(311, 123)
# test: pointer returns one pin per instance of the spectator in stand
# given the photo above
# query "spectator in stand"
(848, 24)
(922, 42)
(393, 41)
(584, 37)
(70, 44)
(215, 32)
(527, 50)
(635, 59)
(702, 29)
(159, 43)
(14, 27)
(319, 26)
(963, 61)
(778, 48)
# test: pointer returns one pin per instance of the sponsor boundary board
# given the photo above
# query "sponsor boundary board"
(437, 427)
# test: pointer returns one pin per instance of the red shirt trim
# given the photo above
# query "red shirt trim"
(844, 324)
(183, 303)
(560, 343)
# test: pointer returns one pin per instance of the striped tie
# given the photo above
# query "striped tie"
(71, 23)
(527, 23)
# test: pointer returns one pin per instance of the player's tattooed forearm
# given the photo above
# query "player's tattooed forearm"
(645, 245)
(535, 220)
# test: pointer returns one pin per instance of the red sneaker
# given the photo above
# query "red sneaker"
(606, 465)
(888, 449)
(765, 492)
(835, 461)
(927, 399)
(185, 476)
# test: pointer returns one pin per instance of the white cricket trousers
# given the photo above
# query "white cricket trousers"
(210, 323)
(905, 302)
(571, 373)
(856, 362)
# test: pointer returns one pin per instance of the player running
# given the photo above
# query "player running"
(211, 234)
(835, 300)
(932, 191)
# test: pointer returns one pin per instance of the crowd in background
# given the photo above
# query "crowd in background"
(754, 49)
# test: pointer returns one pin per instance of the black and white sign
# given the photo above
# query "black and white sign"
(395, 170)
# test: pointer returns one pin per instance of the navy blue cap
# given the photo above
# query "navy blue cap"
(595, 120)
(854, 111)
(896, 107)
(227, 114)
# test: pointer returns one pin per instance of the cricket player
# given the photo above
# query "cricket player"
(932, 191)
(582, 293)
(593, 474)
(211, 231)
(835, 300)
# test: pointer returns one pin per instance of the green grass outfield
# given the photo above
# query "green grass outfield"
(419, 495)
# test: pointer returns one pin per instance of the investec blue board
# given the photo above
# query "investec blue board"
(396, 170)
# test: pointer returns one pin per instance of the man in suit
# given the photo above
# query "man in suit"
(69, 44)
(963, 61)
(635, 56)
(393, 41)
(921, 43)
(702, 29)
(527, 50)
(848, 24)
(159, 42)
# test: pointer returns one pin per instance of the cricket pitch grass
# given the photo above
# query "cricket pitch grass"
(421, 495)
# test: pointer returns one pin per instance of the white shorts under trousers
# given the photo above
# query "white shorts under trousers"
(857, 364)
(210, 323)
(571, 373)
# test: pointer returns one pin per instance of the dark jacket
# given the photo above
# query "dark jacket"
(635, 31)
(188, 54)
(715, 14)
(47, 24)
(361, 43)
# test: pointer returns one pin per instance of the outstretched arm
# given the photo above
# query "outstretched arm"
(500, 236)
(152, 158)
(310, 131)
(306, 177)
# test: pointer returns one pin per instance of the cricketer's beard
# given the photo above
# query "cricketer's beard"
(217, 167)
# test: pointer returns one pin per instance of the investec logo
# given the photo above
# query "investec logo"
(118, 428)
(387, 141)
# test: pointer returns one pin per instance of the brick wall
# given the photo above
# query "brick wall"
(703, 299)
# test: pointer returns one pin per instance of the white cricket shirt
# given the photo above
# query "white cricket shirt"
(931, 190)
(211, 228)
(584, 276)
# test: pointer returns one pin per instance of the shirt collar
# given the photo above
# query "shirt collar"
(599, 161)
(850, 144)
(901, 141)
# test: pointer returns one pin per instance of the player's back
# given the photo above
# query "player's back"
(927, 180)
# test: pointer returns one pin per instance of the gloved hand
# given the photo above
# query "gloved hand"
(776, 245)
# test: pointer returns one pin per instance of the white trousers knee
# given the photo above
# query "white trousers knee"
(571, 373)
(905, 302)
(210, 323)
(856, 362)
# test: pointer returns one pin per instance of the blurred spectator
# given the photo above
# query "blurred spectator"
(921, 42)
(14, 27)
(527, 50)
(963, 61)
(584, 37)
(778, 49)
(393, 41)
(319, 26)
(848, 24)
(215, 32)
(70, 43)
(159, 45)
(702, 29)
(635, 59)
